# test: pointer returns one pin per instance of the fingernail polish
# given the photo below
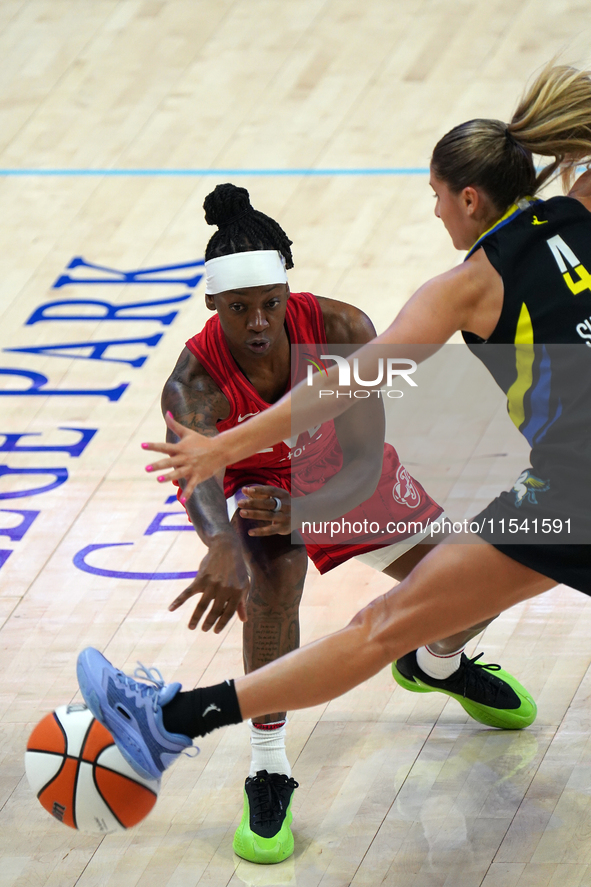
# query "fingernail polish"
(161, 478)
(145, 446)
(168, 413)
(183, 500)
(149, 468)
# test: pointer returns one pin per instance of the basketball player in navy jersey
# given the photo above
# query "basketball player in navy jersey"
(525, 285)
(231, 371)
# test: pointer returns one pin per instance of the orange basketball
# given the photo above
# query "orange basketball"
(80, 776)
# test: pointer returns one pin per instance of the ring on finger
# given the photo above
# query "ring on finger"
(278, 504)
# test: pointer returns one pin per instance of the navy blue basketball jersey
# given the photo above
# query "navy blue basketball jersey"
(540, 350)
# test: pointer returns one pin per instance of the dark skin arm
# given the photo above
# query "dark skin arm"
(222, 581)
(362, 451)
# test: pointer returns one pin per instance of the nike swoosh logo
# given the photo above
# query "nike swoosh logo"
(209, 708)
(242, 418)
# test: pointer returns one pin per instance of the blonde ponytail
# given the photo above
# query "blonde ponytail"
(553, 119)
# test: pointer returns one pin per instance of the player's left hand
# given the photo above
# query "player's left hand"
(259, 503)
(194, 457)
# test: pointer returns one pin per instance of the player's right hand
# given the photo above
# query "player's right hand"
(223, 583)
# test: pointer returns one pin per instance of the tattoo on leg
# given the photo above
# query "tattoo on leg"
(272, 629)
(266, 642)
(293, 634)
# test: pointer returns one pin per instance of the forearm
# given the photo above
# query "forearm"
(208, 513)
(297, 411)
(263, 430)
(307, 406)
(351, 486)
(206, 506)
(581, 190)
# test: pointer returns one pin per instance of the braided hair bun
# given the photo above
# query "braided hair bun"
(241, 228)
(225, 204)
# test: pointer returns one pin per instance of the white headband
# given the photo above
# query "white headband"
(256, 268)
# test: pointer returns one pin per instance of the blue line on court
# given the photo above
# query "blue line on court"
(363, 171)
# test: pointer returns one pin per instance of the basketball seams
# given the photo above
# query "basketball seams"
(45, 751)
(96, 764)
(55, 775)
(63, 731)
(95, 767)
(104, 778)
(78, 759)
(63, 755)
(85, 739)
(67, 757)
(100, 794)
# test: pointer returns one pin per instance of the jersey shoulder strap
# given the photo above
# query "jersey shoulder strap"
(542, 251)
(304, 319)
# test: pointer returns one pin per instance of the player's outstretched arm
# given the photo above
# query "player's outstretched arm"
(222, 581)
(469, 297)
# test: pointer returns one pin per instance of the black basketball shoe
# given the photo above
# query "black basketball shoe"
(264, 834)
(488, 693)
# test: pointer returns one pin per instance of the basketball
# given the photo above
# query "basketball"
(80, 776)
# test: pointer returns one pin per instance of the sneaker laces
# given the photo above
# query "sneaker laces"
(475, 668)
(488, 666)
(153, 675)
(147, 674)
(268, 804)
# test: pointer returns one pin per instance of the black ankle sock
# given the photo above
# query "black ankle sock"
(200, 711)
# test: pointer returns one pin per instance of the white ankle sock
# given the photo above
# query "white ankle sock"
(437, 666)
(268, 749)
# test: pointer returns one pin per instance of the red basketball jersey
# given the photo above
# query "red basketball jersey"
(316, 452)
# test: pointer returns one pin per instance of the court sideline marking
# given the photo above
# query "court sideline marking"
(368, 171)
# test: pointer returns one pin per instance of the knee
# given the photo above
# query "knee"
(280, 581)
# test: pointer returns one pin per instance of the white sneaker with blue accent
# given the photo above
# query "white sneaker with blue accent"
(132, 712)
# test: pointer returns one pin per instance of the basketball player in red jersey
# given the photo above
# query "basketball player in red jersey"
(235, 368)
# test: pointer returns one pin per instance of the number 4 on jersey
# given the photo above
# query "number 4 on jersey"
(565, 257)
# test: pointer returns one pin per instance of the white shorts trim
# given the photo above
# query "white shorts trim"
(378, 559)
(231, 503)
(381, 558)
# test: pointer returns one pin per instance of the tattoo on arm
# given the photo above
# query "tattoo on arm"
(196, 402)
(198, 405)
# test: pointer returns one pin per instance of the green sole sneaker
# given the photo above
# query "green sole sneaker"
(408, 683)
(264, 834)
(488, 693)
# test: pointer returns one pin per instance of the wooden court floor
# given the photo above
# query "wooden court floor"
(114, 117)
